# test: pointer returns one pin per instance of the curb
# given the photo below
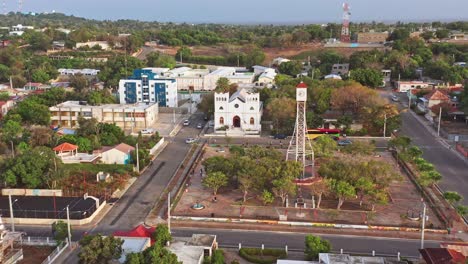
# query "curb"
(304, 224)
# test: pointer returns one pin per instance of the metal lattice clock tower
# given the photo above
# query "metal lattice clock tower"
(300, 147)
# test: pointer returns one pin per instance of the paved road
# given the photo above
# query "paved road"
(454, 169)
(295, 241)
(136, 203)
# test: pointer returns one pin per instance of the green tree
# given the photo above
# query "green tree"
(60, 231)
(217, 257)
(377, 196)
(38, 41)
(399, 34)
(453, 197)
(267, 197)
(442, 33)
(292, 68)
(368, 77)
(315, 245)
(282, 112)
(319, 188)
(87, 127)
(96, 249)
(79, 82)
(11, 130)
(360, 148)
(214, 181)
(428, 178)
(4, 96)
(162, 235)
(284, 186)
(40, 76)
(246, 184)
(184, 53)
(363, 187)
(32, 112)
(222, 85)
(156, 59)
(414, 152)
(324, 146)
(402, 143)
(462, 210)
(207, 104)
(343, 190)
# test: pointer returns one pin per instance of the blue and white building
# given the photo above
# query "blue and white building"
(145, 86)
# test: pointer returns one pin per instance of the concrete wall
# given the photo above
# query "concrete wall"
(157, 146)
(31, 192)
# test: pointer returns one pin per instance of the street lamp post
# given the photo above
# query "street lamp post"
(68, 225)
(423, 225)
(385, 126)
(138, 160)
(12, 217)
(438, 125)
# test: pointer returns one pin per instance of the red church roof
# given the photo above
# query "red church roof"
(65, 147)
(139, 231)
(301, 85)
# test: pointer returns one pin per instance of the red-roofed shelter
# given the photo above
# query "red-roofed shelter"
(66, 148)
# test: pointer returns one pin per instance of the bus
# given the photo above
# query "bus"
(317, 132)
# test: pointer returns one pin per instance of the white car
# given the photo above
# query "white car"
(199, 126)
(190, 140)
(147, 131)
(186, 122)
(395, 98)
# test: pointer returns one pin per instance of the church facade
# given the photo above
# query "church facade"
(242, 111)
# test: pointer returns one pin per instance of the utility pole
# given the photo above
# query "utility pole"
(173, 116)
(409, 100)
(12, 149)
(12, 217)
(138, 160)
(68, 225)
(438, 125)
(169, 212)
(423, 225)
(385, 124)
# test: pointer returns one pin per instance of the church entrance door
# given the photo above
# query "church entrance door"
(236, 121)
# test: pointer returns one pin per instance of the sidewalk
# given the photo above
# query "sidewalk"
(319, 230)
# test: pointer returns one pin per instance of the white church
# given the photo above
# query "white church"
(238, 114)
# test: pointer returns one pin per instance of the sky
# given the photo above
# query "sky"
(252, 11)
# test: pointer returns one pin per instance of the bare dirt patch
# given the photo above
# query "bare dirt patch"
(35, 255)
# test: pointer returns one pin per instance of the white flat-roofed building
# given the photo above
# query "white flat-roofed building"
(188, 78)
(86, 72)
(90, 44)
(404, 86)
(135, 116)
(133, 245)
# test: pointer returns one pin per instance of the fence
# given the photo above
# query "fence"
(39, 241)
(57, 251)
(397, 255)
(14, 258)
(49, 214)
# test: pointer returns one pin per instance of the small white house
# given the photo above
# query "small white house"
(119, 154)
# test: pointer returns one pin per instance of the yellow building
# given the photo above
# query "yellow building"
(135, 116)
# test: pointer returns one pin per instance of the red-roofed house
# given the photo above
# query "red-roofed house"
(119, 154)
(436, 97)
(66, 148)
(139, 231)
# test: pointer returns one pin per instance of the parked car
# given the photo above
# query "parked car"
(280, 136)
(344, 142)
(395, 98)
(190, 140)
(147, 131)
(199, 126)
(205, 118)
(186, 122)
(211, 123)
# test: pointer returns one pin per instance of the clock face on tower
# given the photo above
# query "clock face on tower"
(301, 95)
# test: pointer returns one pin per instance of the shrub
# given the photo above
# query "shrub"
(266, 256)
(217, 257)
(315, 245)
